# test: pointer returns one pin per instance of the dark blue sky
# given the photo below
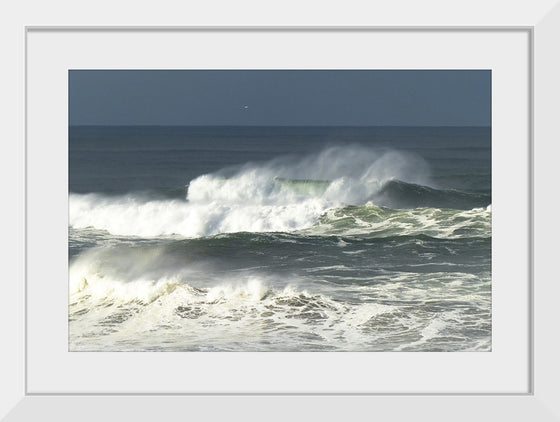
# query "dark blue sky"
(280, 97)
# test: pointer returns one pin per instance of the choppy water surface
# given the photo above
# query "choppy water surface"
(280, 239)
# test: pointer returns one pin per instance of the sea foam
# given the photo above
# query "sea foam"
(281, 195)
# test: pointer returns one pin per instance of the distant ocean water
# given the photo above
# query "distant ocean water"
(280, 239)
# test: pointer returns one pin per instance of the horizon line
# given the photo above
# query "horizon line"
(262, 126)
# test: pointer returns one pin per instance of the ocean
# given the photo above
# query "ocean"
(258, 239)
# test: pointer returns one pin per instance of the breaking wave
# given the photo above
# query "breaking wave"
(284, 195)
(114, 296)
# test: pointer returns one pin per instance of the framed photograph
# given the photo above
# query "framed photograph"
(284, 217)
(291, 228)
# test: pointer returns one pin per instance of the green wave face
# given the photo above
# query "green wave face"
(304, 186)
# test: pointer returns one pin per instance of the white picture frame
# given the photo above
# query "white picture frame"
(537, 403)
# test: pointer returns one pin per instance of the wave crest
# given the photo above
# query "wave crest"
(283, 195)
